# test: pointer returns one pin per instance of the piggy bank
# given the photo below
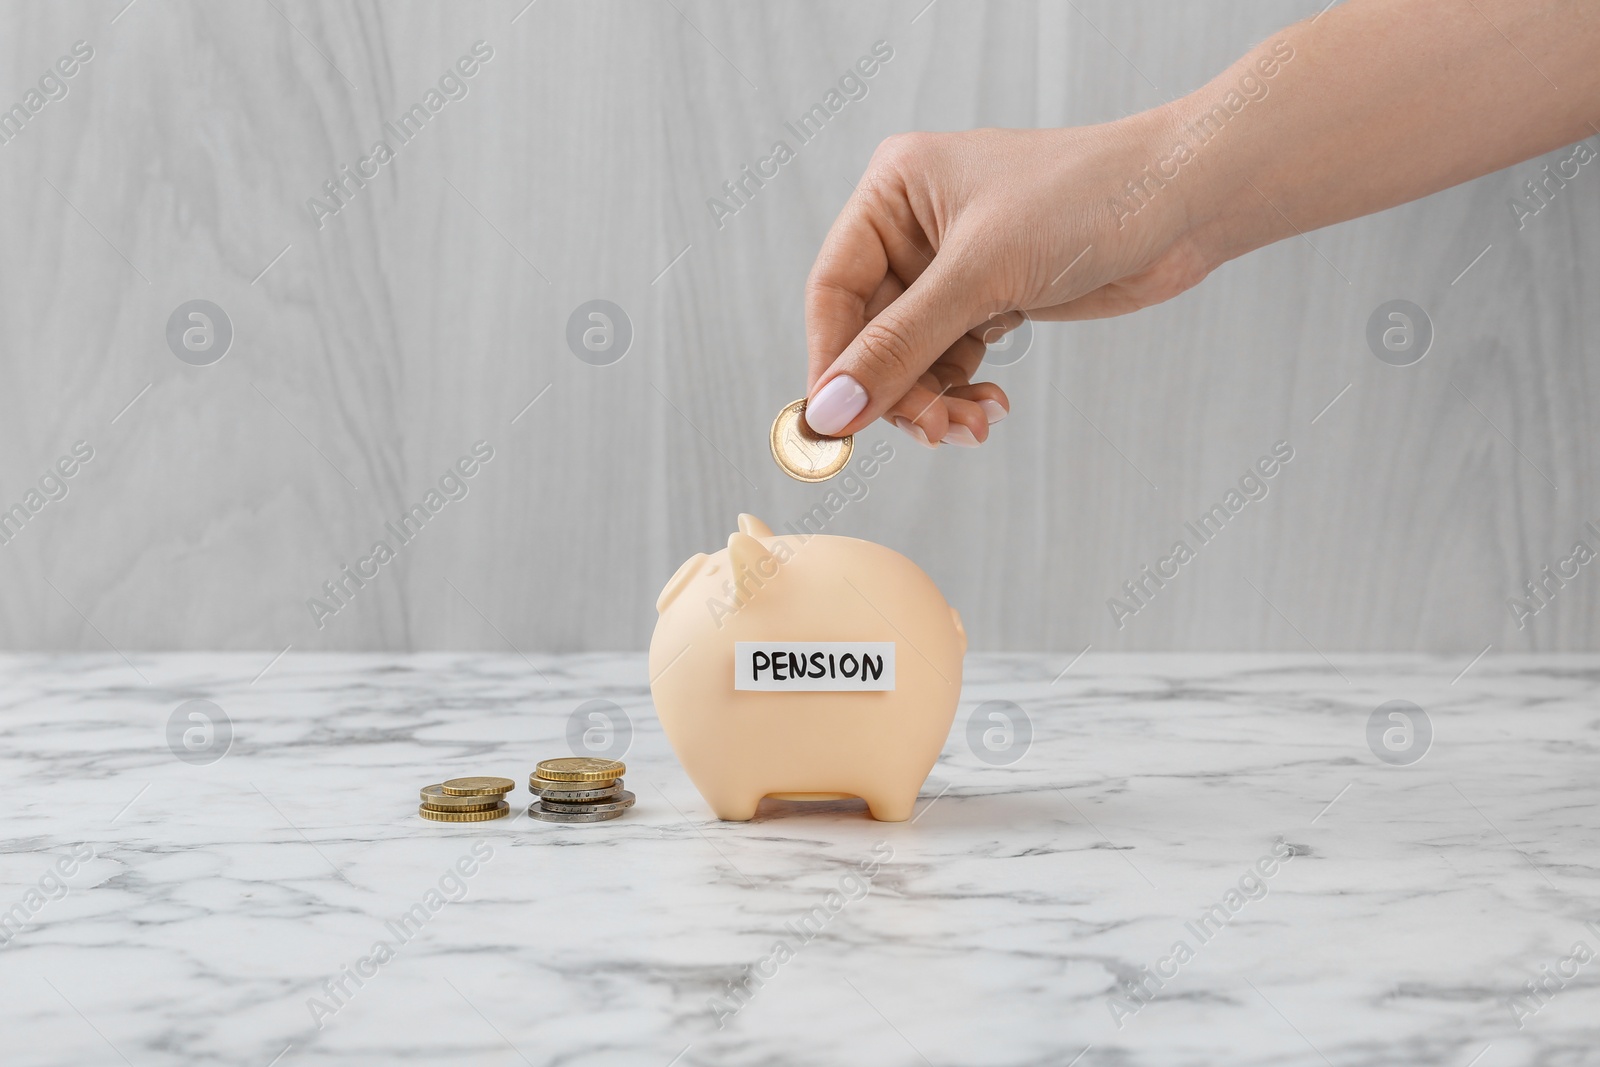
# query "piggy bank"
(805, 668)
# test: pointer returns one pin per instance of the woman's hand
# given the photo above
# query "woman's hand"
(951, 237)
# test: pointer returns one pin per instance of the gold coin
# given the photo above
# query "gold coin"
(803, 454)
(606, 791)
(549, 785)
(496, 812)
(434, 796)
(579, 769)
(478, 787)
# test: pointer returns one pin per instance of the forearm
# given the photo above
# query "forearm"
(1381, 102)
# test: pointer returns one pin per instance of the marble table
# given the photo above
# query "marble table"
(1333, 907)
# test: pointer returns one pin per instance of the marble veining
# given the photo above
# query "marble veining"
(228, 908)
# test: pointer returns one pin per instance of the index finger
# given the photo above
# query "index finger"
(874, 250)
(849, 268)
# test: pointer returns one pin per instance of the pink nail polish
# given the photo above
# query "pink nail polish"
(993, 410)
(959, 436)
(913, 431)
(835, 404)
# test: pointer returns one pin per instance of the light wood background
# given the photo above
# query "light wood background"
(431, 310)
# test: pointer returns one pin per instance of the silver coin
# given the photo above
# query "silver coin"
(545, 785)
(537, 810)
(622, 802)
(605, 792)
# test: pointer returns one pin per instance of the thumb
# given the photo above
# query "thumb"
(892, 351)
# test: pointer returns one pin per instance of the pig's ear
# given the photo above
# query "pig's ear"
(675, 585)
(748, 554)
(749, 524)
(961, 631)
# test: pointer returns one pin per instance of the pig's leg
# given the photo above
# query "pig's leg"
(732, 808)
(894, 807)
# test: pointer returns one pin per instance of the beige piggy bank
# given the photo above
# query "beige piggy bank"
(805, 668)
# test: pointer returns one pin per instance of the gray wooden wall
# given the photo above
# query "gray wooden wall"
(372, 352)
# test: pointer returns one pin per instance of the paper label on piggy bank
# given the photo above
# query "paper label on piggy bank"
(814, 666)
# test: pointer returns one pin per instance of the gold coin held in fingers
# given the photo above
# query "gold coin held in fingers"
(804, 454)
(435, 797)
(497, 812)
(478, 786)
(579, 769)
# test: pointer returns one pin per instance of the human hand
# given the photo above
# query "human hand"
(951, 238)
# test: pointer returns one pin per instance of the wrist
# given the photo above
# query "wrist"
(1227, 139)
(1169, 191)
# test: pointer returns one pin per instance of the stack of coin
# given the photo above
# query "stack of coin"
(578, 789)
(476, 799)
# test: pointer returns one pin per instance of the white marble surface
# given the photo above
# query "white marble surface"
(222, 896)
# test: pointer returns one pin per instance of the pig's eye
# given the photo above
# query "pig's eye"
(713, 568)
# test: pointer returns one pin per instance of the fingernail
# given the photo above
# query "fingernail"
(835, 405)
(960, 436)
(993, 410)
(913, 431)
